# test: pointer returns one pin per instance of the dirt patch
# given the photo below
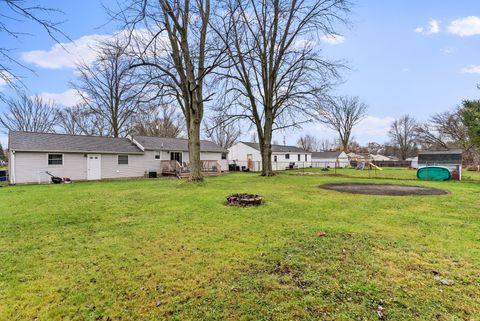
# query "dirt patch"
(383, 189)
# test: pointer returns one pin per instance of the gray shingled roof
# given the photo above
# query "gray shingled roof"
(279, 148)
(326, 154)
(43, 142)
(175, 144)
(453, 156)
(433, 152)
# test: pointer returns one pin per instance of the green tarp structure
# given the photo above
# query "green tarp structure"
(437, 173)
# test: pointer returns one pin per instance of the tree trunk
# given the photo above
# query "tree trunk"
(265, 142)
(194, 150)
(267, 160)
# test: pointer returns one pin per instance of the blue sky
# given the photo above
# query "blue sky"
(416, 57)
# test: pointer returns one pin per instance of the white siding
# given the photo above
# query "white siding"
(238, 155)
(239, 152)
(343, 161)
(282, 162)
(414, 163)
(110, 169)
(31, 167)
(217, 157)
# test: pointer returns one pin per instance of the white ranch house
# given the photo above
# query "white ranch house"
(330, 159)
(247, 155)
(81, 157)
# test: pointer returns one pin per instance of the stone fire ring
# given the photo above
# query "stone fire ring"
(383, 189)
(244, 200)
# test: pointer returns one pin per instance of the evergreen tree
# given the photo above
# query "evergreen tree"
(2, 153)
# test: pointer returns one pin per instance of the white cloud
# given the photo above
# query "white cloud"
(67, 55)
(419, 29)
(405, 69)
(67, 98)
(372, 126)
(447, 51)
(304, 43)
(333, 39)
(467, 26)
(433, 28)
(472, 69)
(5, 78)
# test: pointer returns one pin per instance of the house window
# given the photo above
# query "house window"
(157, 154)
(122, 159)
(298, 157)
(287, 156)
(305, 157)
(55, 159)
(275, 158)
(224, 155)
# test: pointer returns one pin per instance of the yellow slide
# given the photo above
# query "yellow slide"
(375, 166)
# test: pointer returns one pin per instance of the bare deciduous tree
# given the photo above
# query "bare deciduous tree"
(309, 143)
(33, 114)
(275, 67)
(403, 135)
(162, 121)
(447, 130)
(79, 120)
(325, 144)
(110, 88)
(13, 13)
(179, 55)
(374, 147)
(221, 133)
(342, 114)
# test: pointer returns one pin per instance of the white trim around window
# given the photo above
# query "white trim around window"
(62, 159)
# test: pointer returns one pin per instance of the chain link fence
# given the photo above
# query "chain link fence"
(256, 166)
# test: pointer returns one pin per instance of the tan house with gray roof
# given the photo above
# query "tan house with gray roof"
(82, 157)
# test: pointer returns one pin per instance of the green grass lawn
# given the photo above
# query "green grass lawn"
(168, 249)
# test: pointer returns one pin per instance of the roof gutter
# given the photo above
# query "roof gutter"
(78, 151)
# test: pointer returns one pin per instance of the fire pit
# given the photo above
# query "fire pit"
(244, 200)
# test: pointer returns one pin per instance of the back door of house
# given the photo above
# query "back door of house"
(94, 166)
(176, 156)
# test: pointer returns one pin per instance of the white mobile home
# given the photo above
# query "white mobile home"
(247, 156)
(81, 157)
(330, 159)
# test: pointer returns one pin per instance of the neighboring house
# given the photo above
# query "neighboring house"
(247, 155)
(358, 157)
(413, 161)
(379, 158)
(330, 159)
(82, 157)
